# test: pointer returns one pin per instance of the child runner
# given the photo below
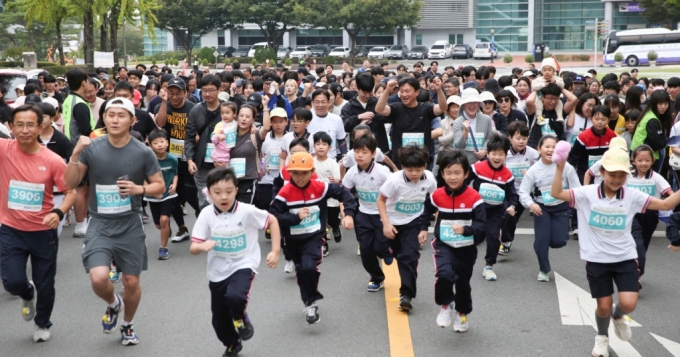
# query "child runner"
(593, 172)
(349, 161)
(301, 119)
(328, 170)
(647, 181)
(301, 207)
(606, 216)
(551, 215)
(548, 75)
(271, 149)
(520, 158)
(162, 206)
(494, 182)
(227, 230)
(631, 122)
(224, 135)
(367, 177)
(400, 204)
(458, 229)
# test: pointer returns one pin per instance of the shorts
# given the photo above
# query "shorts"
(116, 239)
(159, 209)
(625, 274)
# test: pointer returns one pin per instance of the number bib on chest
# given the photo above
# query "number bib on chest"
(367, 196)
(549, 200)
(451, 238)
(518, 168)
(230, 136)
(239, 166)
(25, 196)
(109, 200)
(309, 224)
(230, 244)
(478, 139)
(491, 194)
(177, 148)
(592, 159)
(413, 139)
(608, 220)
(409, 206)
(274, 161)
(575, 135)
(208, 153)
(642, 185)
(547, 129)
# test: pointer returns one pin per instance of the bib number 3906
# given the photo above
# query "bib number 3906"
(25, 196)
(109, 200)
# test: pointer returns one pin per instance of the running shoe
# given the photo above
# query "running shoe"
(622, 328)
(41, 334)
(233, 350)
(388, 259)
(184, 210)
(601, 348)
(128, 335)
(114, 274)
(28, 306)
(374, 287)
(312, 314)
(268, 234)
(460, 323)
(505, 248)
(290, 267)
(405, 303)
(110, 319)
(245, 328)
(337, 235)
(80, 232)
(444, 316)
(163, 253)
(544, 277)
(325, 249)
(488, 273)
(358, 250)
(181, 235)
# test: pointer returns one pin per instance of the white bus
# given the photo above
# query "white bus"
(635, 44)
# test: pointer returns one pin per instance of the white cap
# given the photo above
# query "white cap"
(512, 90)
(470, 95)
(51, 101)
(21, 86)
(121, 103)
(587, 75)
(486, 96)
(528, 74)
(454, 99)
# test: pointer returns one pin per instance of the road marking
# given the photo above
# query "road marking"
(398, 326)
(530, 231)
(577, 307)
(672, 346)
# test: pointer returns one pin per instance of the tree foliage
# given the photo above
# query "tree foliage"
(661, 11)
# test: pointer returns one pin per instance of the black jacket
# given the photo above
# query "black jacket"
(350, 118)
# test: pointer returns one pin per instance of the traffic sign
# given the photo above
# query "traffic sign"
(216, 53)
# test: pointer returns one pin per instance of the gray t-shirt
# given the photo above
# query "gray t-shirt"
(105, 165)
(244, 149)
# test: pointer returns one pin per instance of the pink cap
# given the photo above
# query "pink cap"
(137, 97)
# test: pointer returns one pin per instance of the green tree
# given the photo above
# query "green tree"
(661, 11)
(53, 12)
(361, 18)
(188, 20)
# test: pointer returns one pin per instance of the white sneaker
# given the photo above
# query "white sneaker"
(559, 119)
(444, 316)
(543, 276)
(181, 235)
(290, 267)
(622, 328)
(41, 334)
(601, 348)
(358, 250)
(460, 323)
(488, 273)
(80, 232)
(573, 232)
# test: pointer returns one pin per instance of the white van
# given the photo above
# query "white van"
(251, 53)
(440, 49)
(485, 50)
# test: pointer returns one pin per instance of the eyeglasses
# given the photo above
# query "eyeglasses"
(505, 99)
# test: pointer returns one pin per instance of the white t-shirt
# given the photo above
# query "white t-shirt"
(332, 124)
(271, 149)
(288, 138)
(652, 184)
(236, 232)
(5, 130)
(570, 134)
(520, 162)
(349, 161)
(540, 177)
(367, 184)
(604, 225)
(326, 169)
(405, 199)
(337, 109)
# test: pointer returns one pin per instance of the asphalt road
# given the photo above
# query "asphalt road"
(514, 316)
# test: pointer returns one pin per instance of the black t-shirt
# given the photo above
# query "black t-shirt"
(175, 124)
(4, 113)
(145, 123)
(59, 144)
(416, 120)
(153, 103)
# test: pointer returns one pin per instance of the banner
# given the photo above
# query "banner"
(631, 7)
(103, 59)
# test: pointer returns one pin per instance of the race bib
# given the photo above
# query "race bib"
(230, 136)
(518, 168)
(239, 166)
(451, 238)
(478, 139)
(592, 159)
(109, 201)
(608, 220)
(367, 196)
(549, 200)
(417, 139)
(208, 153)
(575, 135)
(409, 207)
(547, 129)
(230, 244)
(177, 148)
(642, 185)
(274, 161)
(491, 194)
(309, 224)
(25, 196)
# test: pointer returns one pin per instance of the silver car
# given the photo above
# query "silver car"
(397, 52)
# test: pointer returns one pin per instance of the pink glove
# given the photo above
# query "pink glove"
(561, 152)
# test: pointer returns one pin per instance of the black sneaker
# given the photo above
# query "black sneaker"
(233, 350)
(405, 303)
(337, 235)
(312, 314)
(245, 328)
(268, 234)
(505, 248)
(325, 249)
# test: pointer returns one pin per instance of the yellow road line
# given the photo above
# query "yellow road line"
(398, 327)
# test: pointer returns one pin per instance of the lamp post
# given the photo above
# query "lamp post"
(492, 45)
(124, 44)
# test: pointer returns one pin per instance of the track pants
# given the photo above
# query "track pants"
(306, 254)
(228, 301)
(494, 222)
(405, 248)
(453, 267)
(373, 244)
(551, 231)
(510, 225)
(644, 225)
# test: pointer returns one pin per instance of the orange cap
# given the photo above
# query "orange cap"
(301, 161)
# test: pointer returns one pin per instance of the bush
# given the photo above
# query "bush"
(206, 53)
(204, 62)
(562, 58)
(529, 59)
(167, 62)
(507, 58)
(288, 62)
(227, 60)
(153, 60)
(618, 57)
(652, 56)
(235, 62)
(15, 52)
(8, 64)
(329, 60)
(580, 58)
(264, 53)
(253, 62)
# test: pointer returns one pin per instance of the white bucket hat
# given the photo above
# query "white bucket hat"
(512, 90)
(486, 96)
(470, 95)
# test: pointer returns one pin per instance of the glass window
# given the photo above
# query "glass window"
(419, 39)
(452, 38)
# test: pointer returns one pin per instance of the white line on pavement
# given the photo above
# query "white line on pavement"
(672, 346)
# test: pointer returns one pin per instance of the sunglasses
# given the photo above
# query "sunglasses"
(504, 99)
(487, 102)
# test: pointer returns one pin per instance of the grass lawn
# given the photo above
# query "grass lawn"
(664, 72)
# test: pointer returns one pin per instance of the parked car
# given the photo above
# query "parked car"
(283, 52)
(462, 51)
(440, 49)
(397, 52)
(9, 80)
(242, 51)
(378, 52)
(301, 52)
(418, 52)
(340, 51)
(251, 53)
(320, 50)
(485, 50)
(362, 51)
(226, 51)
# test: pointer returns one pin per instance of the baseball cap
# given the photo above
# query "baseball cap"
(255, 99)
(528, 74)
(616, 160)
(177, 83)
(61, 78)
(51, 101)
(32, 99)
(587, 75)
(301, 161)
(137, 97)
(121, 103)
(309, 78)
(579, 79)
(303, 70)
(618, 142)
(240, 82)
(20, 86)
(280, 112)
